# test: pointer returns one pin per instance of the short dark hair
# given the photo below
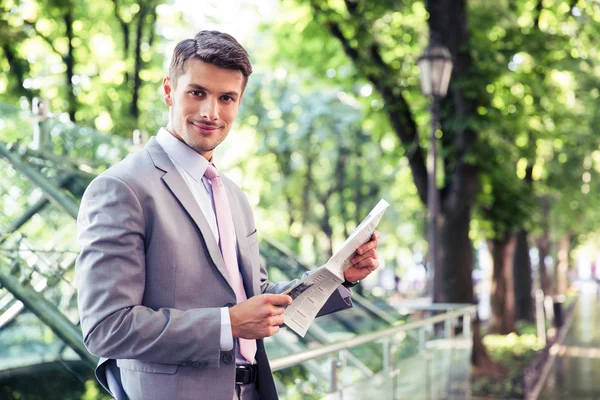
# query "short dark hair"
(213, 47)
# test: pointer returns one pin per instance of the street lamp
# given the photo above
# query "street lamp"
(436, 67)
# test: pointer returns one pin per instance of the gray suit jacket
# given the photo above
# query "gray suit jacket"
(151, 282)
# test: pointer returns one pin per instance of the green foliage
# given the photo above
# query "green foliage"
(323, 170)
(93, 392)
(298, 384)
(535, 125)
(513, 353)
(538, 128)
(88, 58)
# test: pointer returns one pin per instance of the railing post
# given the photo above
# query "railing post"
(40, 108)
(343, 358)
(387, 355)
(422, 339)
(335, 364)
(540, 318)
(467, 324)
(448, 329)
(427, 357)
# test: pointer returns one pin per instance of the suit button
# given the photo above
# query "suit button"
(229, 305)
(185, 363)
(203, 364)
(227, 358)
(195, 364)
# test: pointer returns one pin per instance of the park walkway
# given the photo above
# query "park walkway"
(575, 374)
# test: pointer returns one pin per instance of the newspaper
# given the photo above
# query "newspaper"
(310, 294)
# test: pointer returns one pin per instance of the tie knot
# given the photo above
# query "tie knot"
(211, 172)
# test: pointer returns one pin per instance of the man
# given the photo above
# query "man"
(172, 293)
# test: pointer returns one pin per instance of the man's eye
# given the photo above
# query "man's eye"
(227, 98)
(196, 93)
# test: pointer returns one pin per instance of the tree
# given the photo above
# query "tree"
(59, 36)
(100, 85)
(369, 35)
(324, 155)
(366, 36)
(533, 110)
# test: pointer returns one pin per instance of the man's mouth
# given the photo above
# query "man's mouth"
(205, 128)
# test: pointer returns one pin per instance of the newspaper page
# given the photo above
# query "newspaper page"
(308, 297)
(310, 294)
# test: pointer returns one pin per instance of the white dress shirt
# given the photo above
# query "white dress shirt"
(192, 165)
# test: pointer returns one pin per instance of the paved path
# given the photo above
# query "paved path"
(576, 371)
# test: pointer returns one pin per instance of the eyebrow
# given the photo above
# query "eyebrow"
(200, 87)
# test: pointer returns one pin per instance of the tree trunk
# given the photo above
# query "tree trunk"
(562, 269)
(125, 32)
(453, 280)
(543, 246)
(522, 279)
(479, 357)
(69, 60)
(18, 68)
(447, 22)
(139, 63)
(448, 26)
(502, 319)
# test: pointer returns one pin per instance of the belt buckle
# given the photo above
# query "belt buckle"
(247, 376)
(253, 374)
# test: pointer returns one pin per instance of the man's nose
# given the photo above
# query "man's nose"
(209, 110)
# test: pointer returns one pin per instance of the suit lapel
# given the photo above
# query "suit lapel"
(178, 187)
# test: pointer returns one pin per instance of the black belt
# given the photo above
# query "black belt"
(245, 374)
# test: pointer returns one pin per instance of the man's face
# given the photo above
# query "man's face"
(203, 105)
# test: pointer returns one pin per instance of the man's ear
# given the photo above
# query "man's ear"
(168, 89)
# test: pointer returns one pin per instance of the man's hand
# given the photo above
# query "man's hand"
(364, 261)
(259, 316)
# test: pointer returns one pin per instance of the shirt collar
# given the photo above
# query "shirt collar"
(192, 162)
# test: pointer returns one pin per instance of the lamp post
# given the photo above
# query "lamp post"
(436, 67)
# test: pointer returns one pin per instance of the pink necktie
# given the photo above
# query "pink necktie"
(247, 347)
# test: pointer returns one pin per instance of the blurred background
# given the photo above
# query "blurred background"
(333, 119)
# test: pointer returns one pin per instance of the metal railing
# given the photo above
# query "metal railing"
(385, 336)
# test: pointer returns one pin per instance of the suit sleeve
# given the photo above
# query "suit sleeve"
(110, 278)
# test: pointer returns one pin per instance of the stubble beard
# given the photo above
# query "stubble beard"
(203, 144)
(193, 140)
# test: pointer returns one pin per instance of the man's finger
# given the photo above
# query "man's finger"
(369, 264)
(358, 258)
(279, 299)
(371, 244)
